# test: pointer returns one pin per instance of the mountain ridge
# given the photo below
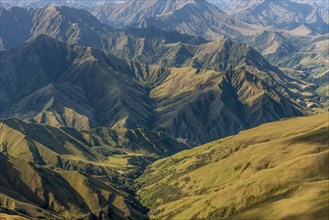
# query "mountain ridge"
(67, 173)
(66, 96)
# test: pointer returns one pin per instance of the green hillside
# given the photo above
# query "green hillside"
(66, 173)
(275, 171)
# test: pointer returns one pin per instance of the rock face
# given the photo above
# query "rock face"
(263, 172)
(82, 87)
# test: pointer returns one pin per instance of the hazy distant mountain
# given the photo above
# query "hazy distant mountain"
(299, 18)
(302, 57)
(231, 6)
(63, 23)
(322, 3)
(197, 17)
(235, 5)
(222, 4)
(43, 3)
(74, 26)
(294, 33)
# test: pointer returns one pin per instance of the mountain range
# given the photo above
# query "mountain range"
(84, 88)
(297, 47)
(231, 6)
(195, 17)
(66, 173)
(103, 105)
(223, 5)
(299, 18)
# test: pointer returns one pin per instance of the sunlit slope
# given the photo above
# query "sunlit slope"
(33, 191)
(66, 173)
(202, 105)
(220, 90)
(275, 171)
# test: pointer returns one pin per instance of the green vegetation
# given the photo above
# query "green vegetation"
(96, 105)
(277, 170)
(66, 173)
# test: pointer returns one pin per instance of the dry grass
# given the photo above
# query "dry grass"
(280, 166)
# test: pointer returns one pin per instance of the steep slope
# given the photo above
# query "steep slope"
(42, 3)
(66, 173)
(277, 170)
(73, 86)
(231, 6)
(278, 44)
(82, 87)
(299, 18)
(304, 58)
(73, 25)
(63, 23)
(165, 36)
(294, 30)
(151, 44)
(32, 191)
(286, 50)
(192, 17)
(191, 101)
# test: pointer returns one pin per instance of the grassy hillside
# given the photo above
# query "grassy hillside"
(275, 171)
(66, 173)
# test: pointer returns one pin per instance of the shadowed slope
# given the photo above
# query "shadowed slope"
(82, 87)
(73, 86)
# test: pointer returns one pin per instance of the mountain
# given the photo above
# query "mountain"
(67, 24)
(321, 3)
(165, 36)
(43, 3)
(304, 58)
(191, 17)
(285, 50)
(82, 87)
(65, 173)
(59, 88)
(298, 18)
(88, 107)
(221, 4)
(75, 26)
(276, 43)
(78, 26)
(231, 6)
(277, 170)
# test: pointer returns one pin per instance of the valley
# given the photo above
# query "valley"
(169, 109)
(66, 173)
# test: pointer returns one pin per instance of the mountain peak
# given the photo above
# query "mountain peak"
(161, 13)
(44, 41)
(43, 37)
